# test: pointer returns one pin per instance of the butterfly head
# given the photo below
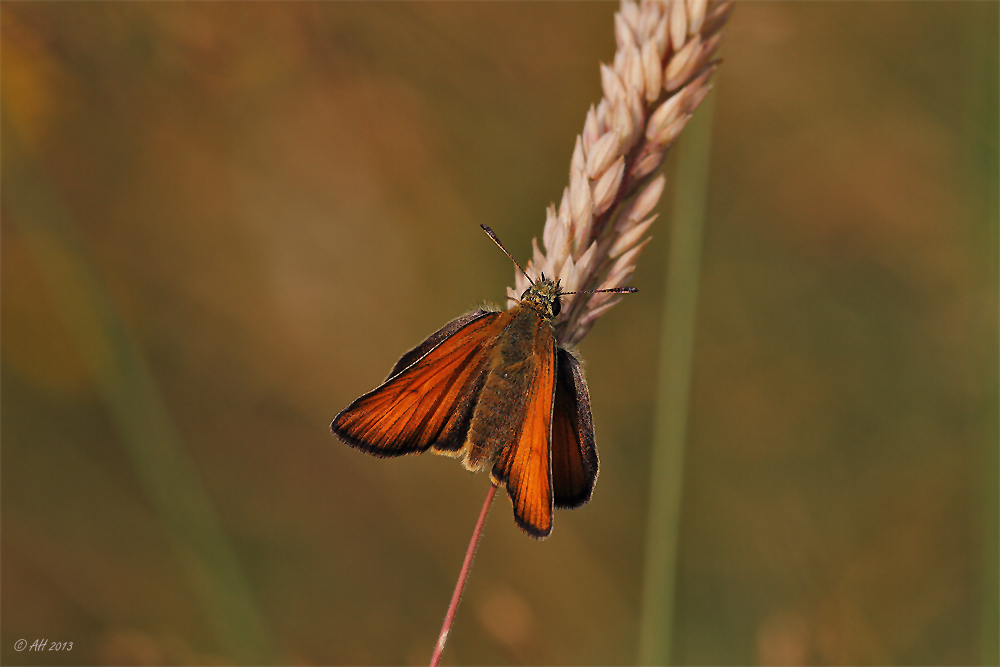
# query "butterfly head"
(543, 296)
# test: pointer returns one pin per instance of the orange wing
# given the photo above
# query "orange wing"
(574, 453)
(526, 464)
(428, 399)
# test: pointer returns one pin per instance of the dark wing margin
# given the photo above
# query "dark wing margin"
(427, 402)
(574, 453)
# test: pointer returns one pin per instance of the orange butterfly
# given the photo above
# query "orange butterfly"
(494, 389)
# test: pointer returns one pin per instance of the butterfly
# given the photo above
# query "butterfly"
(495, 389)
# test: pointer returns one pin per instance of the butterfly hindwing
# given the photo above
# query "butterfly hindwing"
(574, 453)
(428, 399)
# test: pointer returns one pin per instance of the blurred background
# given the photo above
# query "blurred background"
(223, 222)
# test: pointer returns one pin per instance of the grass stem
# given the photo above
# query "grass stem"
(129, 391)
(463, 576)
(676, 353)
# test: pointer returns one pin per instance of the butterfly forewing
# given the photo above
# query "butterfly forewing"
(436, 338)
(430, 394)
(574, 454)
(526, 464)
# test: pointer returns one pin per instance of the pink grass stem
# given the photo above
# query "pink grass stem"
(462, 577)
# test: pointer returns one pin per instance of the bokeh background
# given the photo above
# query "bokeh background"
(224, 221)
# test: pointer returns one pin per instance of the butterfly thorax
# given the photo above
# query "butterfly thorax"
(543, 297)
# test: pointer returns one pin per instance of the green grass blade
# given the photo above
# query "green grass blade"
(676, 352)
(127, 387)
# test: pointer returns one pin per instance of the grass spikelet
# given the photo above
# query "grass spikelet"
(660, 74)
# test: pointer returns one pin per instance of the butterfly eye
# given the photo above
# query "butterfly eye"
(525, 293)
(556, 307)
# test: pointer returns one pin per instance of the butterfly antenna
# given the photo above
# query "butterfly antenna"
(497, 241)
(616, 290)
